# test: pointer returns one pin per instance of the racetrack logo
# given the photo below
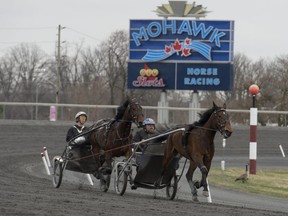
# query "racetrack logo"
(148, 78)
(185, 47)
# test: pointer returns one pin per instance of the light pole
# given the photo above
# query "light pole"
(254, 90)
(58, 67)
(36, 110)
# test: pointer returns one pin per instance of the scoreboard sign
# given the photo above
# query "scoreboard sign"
(181, 54)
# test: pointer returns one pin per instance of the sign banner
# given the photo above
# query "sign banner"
(181, 40)
(174, 76)
(181, 54)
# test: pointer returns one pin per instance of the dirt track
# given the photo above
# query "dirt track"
(24, 192)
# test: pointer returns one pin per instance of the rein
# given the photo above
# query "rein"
(210, 129)
(92, 155)
(117, 131)
(120, 138)
(204, 128)
(133, 144)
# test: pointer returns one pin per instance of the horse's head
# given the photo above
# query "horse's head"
(136, 112)
(222, 120)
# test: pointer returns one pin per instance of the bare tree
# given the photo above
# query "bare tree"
(20, 73)
(278, 86)
(116, 63)
(92, 67)
(9, 82)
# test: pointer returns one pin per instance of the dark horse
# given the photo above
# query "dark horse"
(113, 137)
(200, 146)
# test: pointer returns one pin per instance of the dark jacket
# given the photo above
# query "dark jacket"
(142, 134)
(74, 131)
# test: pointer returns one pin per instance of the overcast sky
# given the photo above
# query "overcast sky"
(260, 26)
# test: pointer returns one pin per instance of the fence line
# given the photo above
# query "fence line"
(146, 108)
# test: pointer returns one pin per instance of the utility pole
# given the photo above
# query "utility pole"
(58, 68)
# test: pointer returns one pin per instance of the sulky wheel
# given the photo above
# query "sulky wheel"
(120, 183)
(57, 172)
(171, 188)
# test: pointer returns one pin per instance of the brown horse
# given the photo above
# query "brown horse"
(112, 138)
(200, 146)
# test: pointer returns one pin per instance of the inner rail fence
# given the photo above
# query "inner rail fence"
(176, 115)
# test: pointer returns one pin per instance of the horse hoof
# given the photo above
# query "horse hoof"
(133, 187)
(206, 193)
(103, 187)
(197, 184)
(195, 199)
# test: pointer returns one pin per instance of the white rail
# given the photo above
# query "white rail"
(144, 107)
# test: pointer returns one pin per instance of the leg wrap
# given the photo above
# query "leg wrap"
(204, 170)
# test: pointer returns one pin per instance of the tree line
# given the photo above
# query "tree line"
(98, 75)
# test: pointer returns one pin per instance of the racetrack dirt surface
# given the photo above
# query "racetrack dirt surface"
(27, 191)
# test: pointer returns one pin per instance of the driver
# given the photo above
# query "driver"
(79, 127)
(149, 130)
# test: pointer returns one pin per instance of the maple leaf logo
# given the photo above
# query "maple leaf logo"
(168, 49)
(182, 48)
(186, 52)
(177, 46)
(187, 41)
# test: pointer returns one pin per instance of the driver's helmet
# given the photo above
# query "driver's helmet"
(148, 121)
(79, 114)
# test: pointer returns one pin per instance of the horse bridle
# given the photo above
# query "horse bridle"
(134, 118)
(221, 123)
(138, 113)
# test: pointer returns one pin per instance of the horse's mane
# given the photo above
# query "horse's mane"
(121, 110)
(204, 116)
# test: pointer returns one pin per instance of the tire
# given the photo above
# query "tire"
(171, 188)
(120, 183)
(57, 172)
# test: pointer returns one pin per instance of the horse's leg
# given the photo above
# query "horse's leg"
(198, 159)
(169, 153)
(205, 170)
(98, 158)
(97, 174)
(168, 156)
(106, 167)
(189, 177)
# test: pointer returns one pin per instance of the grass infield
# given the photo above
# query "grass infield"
(271, 182)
